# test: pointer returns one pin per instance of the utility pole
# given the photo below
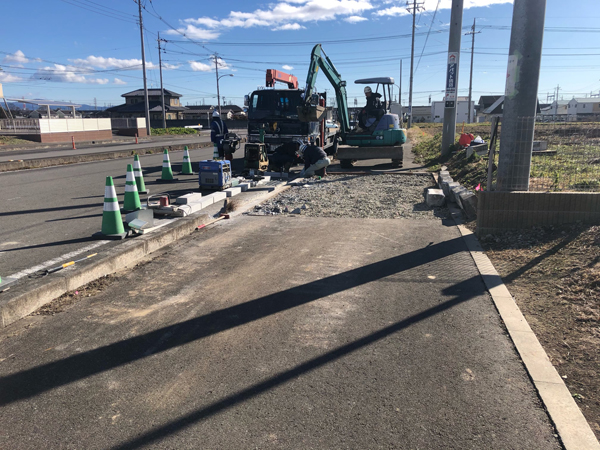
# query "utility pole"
(95, 104)
(520, 97)
(217, 72)
(449, 129)
(400, 92)
(472, 33)
(412, 10)
(162, 89)
(147, 105)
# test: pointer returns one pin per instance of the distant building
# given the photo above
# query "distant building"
(484, 109)
(135, 105)
(462, 110)
(586, 109)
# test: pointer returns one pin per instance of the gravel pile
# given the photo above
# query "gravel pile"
(356, 196)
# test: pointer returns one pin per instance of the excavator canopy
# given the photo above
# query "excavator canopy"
(376, 80)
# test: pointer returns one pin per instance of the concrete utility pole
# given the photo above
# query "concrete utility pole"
(520, 98)
(217, 72)
(449, 129)
(400, 91)
(473, 33)
(162, 89)
(147, 104)
(412, 10)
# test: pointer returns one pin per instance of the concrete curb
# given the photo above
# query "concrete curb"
(572, 426)
(25, 298)
(62, 160)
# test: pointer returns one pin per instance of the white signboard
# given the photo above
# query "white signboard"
(451, 80)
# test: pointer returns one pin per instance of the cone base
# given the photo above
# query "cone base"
(112, 237)
(160, 180)
(147, 191)
(188, 173)
(127, 211)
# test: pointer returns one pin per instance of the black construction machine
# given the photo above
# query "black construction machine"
(231, 143)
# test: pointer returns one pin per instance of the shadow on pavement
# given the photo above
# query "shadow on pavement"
(462, 292)
(34, 381)
(53, 244)
(58, 208)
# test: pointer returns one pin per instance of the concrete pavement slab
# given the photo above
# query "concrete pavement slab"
(362, 334)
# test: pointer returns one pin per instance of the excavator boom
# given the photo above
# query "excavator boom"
(318, 59)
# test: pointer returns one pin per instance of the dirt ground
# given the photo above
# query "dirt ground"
(554, 275)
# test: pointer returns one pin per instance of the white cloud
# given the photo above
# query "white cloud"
(355, 19)
(199, 67)
(8, 78)
(430, 5)
(289, 26)
(392, 11)
(118, 81)
(100, 62)
(285, 15)
(195, 33)
(17, 57)
(286, 67)
(66, 74)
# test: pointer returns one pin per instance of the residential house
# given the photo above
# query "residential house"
(135, 105)
(484, 113)
(583, 109)
(205, 111)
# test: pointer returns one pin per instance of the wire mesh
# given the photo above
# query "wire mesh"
(565, 156)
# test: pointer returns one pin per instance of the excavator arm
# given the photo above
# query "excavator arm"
(318, 59)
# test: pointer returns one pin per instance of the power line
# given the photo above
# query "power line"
(429, 31)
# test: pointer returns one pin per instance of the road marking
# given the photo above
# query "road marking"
(56, 261)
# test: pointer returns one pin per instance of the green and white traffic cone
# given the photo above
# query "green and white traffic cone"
(132, 198)
(112, 223)
(167, 172)
(139, 176)
(216, 156)
(186, 167)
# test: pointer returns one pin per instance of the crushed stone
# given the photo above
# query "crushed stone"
(356, 196)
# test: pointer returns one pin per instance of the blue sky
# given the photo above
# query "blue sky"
(81, 50)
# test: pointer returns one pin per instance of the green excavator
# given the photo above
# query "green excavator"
(381, 137)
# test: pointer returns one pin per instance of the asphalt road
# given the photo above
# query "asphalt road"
(46, 213)
(278, 332)
(55, 152)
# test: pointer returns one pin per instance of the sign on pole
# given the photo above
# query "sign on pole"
(451, 77)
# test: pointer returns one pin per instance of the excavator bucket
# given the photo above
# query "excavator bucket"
(310, 113)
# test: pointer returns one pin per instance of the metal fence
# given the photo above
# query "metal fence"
(565, 157)
(19, 126)
(123, 123)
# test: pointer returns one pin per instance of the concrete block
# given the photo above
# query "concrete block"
(444, 179)
(277, 174)
(468, 203)
(233, 191)
(447, 187)
(444, 173)
(540, 146)
(244, 186)
(454, 193)
(435, 197)
(216, 196)
(188, 198)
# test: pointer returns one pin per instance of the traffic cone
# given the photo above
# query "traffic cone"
(167, 172)
(139, 176)
(216, 156)
(112, 223)
(186, 167)
(132, 198)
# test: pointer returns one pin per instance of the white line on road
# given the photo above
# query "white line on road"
(56, 261)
